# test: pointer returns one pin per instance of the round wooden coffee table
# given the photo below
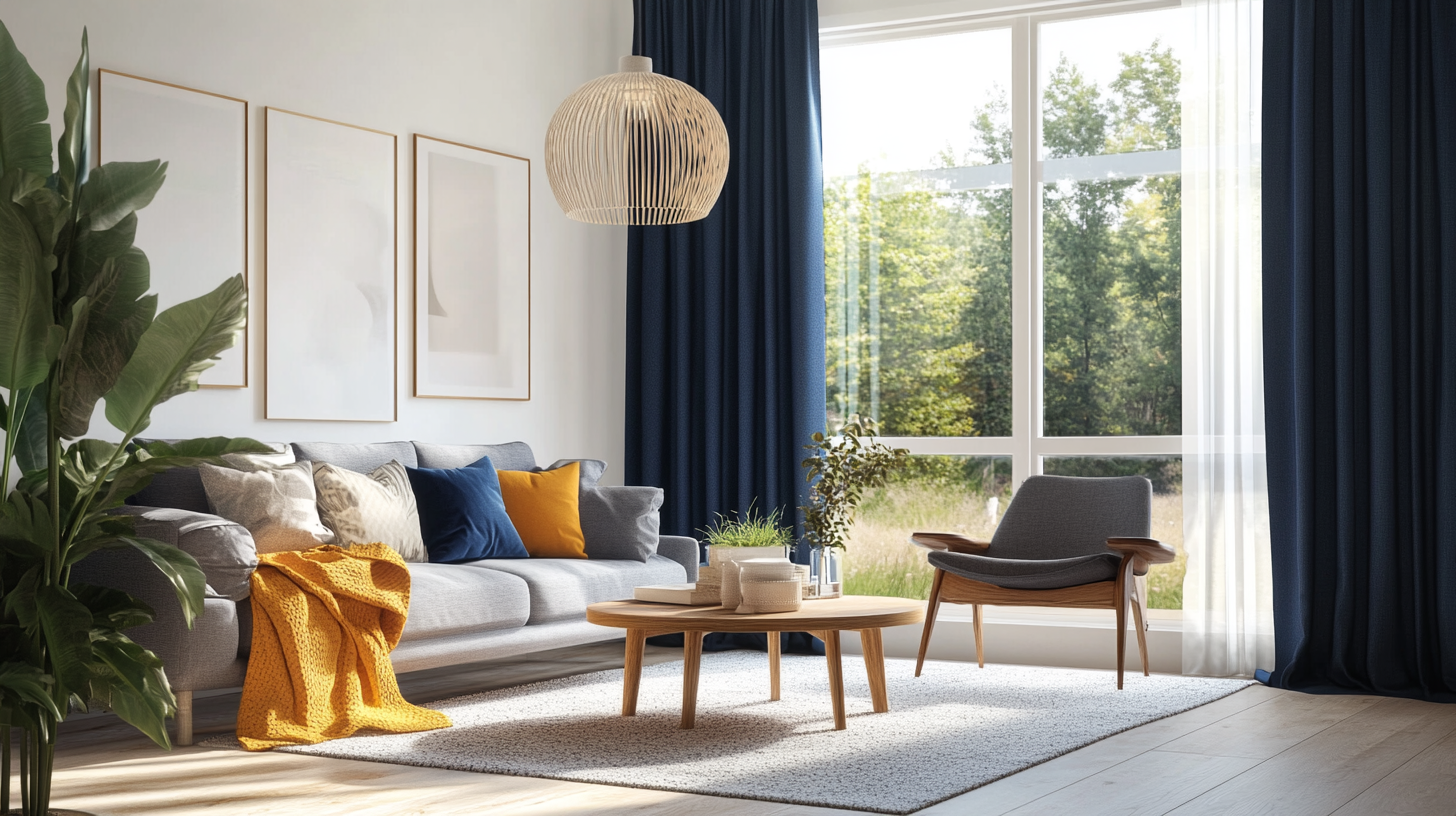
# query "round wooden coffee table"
(823, 619)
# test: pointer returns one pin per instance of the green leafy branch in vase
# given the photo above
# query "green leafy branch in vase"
(77, 327)
(841, 468)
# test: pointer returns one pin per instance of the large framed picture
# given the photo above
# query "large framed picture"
(472, 272)
(195, 232)
(330, 274)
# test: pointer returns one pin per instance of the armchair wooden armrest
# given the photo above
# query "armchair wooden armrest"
(949, 542)
(1142, 551)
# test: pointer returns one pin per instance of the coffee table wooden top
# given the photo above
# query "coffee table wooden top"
(848, 612)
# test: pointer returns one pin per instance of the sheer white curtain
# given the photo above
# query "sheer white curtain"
(1228, 618)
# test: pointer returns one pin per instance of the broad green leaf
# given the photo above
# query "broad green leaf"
(100, 530)
(25, 302)
(24, 683)
(48, 214)
(20, 599)
(112, 607)
(90, 252)
(91, 362)
(155, 457)
(117, 189)
(180, 344)
(29, 409)
(84, 463)
(25, 526)
(4, 417)
(180, 570)
(66, 625)
(25, 138)
(134, 685)
(71, 151)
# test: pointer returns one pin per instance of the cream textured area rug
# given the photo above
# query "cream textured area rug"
(955, 728)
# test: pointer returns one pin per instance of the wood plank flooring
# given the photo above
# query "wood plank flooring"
(1258, 751)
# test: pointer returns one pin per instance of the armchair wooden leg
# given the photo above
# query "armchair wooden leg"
(184, 718)
(980, 646)
(1122, 590)
(932, 607)
(1140, 618)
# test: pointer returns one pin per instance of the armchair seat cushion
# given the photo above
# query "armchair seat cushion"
(1017, 573)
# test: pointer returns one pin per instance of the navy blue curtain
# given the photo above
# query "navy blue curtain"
(725, 316)
(1359, 209)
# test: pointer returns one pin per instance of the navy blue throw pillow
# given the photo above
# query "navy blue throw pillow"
(462, 514)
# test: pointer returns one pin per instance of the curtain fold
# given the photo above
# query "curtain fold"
(725, 316)
(1360, 342)
(1228, 615)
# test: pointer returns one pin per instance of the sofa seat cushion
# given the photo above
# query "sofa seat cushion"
(448, 599)
(360, 457)
(562, 588)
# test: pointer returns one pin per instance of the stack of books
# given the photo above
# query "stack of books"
(683, 594)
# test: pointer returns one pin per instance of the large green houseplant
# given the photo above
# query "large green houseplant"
(76, 328)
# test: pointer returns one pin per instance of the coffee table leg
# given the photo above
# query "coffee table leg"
(632, 671)
(836, 676)
(874, 658)
(773, 665)
(692, 657)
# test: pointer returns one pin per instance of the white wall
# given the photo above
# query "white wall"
(483, 72)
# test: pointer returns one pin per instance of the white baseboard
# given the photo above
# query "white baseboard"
(1073, 639)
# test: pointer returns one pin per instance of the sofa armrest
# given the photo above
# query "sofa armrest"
(683, 550)
(224, 549)
(203, 657)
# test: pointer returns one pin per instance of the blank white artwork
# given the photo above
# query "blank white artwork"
(472, 272)
(331, 312)
(195, 232)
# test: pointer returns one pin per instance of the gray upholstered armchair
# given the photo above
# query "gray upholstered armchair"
(1064, 542)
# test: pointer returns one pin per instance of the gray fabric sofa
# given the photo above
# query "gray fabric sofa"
(459, 613)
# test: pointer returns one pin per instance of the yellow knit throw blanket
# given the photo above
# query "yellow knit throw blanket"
(324, 623)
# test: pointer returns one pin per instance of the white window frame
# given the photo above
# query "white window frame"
(1027, 446)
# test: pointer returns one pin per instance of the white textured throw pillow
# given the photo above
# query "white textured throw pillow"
(378, 507)
(278, 505)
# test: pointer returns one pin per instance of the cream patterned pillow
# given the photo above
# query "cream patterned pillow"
(277, 505)
(377, 507)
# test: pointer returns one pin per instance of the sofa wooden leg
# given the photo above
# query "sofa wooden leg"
(980, 645)
(184, 718)
(932, 607)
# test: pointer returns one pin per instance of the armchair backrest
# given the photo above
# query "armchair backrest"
(1067, 516)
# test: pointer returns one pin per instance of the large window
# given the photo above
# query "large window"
(1002, 253)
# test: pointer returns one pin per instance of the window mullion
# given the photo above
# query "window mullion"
(1026, 252)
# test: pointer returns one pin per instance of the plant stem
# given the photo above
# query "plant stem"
(84, 506)
(53, 479)
(4, 769)
(20, 404)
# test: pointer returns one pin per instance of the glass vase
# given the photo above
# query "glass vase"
(826, 572)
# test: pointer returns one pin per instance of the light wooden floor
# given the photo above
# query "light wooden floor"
(1258, 751)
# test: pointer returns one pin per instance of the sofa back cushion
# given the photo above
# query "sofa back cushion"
(181, 488)
(507, 456)
(360, 457)
(462, 514)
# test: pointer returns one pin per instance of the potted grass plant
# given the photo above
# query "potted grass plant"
(750, 534)
(76, 329)
(839, 470)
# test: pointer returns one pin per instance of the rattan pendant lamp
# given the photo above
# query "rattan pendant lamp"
(636, 148)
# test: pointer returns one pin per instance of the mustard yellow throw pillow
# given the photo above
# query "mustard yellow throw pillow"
(543, 507)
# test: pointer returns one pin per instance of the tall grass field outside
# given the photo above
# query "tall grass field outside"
(881, 561)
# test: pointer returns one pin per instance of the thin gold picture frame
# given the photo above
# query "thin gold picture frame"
(417, 328)
(394, 239)
(246, 270)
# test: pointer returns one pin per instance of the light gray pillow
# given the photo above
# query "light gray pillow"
(377, 507)
(591, 470)
(279, 506)
(620, 523)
